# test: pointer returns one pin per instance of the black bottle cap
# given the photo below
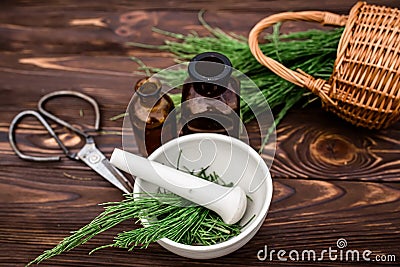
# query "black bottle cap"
(202, 68)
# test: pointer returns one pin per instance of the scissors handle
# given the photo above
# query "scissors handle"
(89, 153)
(46, 113)
(11, 137)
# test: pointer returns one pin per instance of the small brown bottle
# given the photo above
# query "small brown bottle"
(210, 97)
(152, 116)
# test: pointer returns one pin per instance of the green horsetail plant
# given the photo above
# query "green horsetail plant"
(170, 215)
(312, 51)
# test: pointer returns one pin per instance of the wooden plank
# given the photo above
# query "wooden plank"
(77, 28)
(305, 214)
(311, 144)
(314, 143)
(230, 5)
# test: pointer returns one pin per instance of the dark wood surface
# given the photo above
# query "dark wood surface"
(331, 180)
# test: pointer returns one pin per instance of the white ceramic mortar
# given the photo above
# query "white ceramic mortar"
(235, 162)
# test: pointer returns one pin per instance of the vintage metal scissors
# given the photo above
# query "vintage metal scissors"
(89, 153)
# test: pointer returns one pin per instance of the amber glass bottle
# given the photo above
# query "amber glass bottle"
(148, 113)
(210, 96)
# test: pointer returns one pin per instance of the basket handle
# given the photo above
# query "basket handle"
(319, 87)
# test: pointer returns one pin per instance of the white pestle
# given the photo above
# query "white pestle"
(228, 202)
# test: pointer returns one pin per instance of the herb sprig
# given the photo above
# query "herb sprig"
(169, 216)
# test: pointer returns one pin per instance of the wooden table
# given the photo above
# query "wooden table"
(331, 180)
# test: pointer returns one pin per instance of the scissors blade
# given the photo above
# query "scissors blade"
(99, 163)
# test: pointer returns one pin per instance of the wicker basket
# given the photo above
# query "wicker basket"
(364, 87)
